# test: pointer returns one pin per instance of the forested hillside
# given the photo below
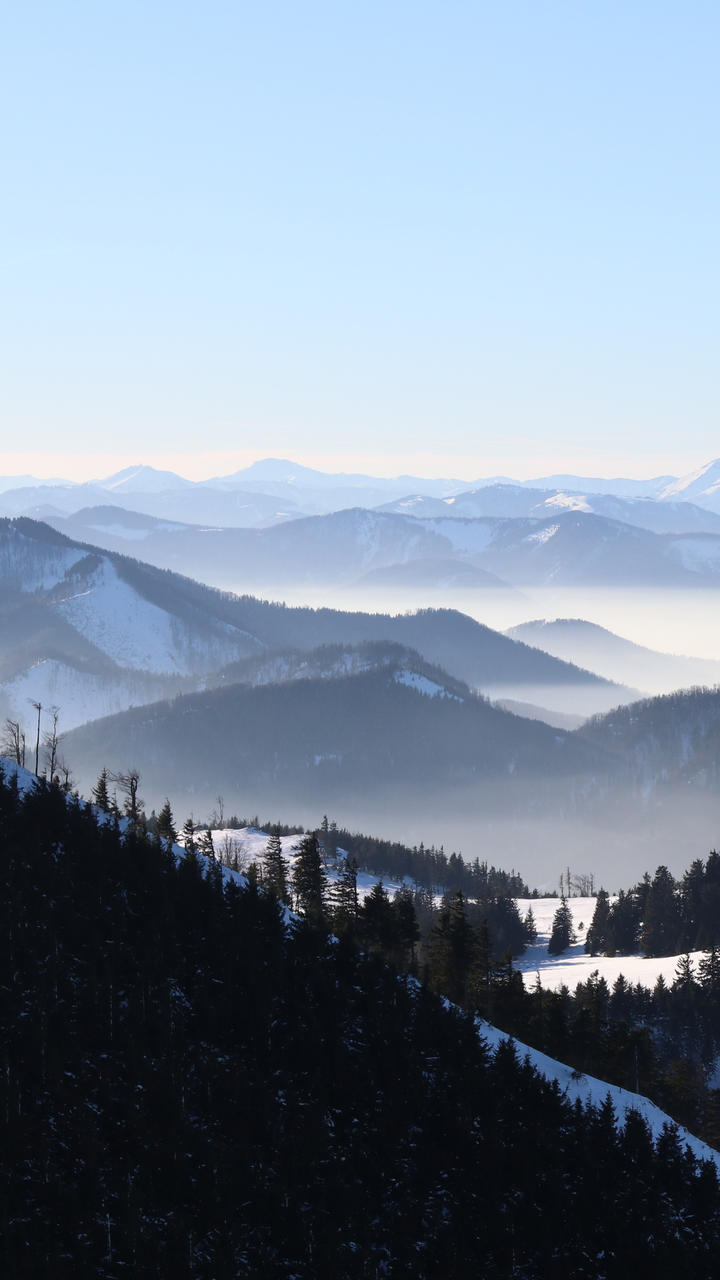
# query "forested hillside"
(192, 1087)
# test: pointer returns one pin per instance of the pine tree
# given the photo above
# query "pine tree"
(563, 933)
(308, 879)
(275, 868)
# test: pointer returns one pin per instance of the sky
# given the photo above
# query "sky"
(463, 238)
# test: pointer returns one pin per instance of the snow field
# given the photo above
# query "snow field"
(574, 966)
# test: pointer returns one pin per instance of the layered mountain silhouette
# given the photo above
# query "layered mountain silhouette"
(81, 623)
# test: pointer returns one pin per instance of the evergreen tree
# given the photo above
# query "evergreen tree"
(407, 927)
(378, 922)
(308, 879)
(562, 935)
(188, 838)
(596, 938)
(344, 895)
(709, 972)
(100, 794)
(206, 846)
(529, 927)
(275, 868)
(453, 951)
(623, 924)
(165, 825)
(662, 922)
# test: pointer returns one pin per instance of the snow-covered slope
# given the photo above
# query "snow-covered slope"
(575, 1086)
(696, 486)
(80, 695)
(514, 501)
(143, 479)
(128, 616)
(136, 633)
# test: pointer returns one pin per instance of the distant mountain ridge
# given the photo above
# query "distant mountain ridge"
(78, 618)
(400, 724)
(513, 500)
(615, 657)
(274, 489)
(568, 547)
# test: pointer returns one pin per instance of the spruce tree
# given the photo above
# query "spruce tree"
(378, 922)
(529, 927)
(662, 922)
(408, 929)
(308, 879)
(596, 938)
(164, 824)
(563, 933)
(275, 868)
(453, 950)
(100, 794)
(188, 838)
(344, 896)
(205, 844)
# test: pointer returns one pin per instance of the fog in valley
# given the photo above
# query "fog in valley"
(680, 621)
(368, 711)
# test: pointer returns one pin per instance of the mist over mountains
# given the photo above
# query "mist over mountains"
(426, 718)
(360, 549)
(80, 625)
(615, 657)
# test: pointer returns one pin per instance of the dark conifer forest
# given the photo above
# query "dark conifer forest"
(191, 1086)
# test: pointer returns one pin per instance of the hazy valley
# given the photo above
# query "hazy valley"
(475, 725)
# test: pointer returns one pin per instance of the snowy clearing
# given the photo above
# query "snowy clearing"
(574, 966)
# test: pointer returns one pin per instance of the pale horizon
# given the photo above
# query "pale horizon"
(85, 467)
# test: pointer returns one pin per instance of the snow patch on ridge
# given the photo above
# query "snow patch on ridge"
(542, 535)
(413, 680)
(568, 502)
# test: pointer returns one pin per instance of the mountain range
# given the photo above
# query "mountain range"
(362, 549)
(274, 489)
(94, 632)
(386, 717)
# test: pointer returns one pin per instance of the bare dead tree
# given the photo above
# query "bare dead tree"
(38, 708)
(129, 782)
(13, 742)
(50, 742)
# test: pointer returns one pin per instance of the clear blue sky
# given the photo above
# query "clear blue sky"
(473, 231)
